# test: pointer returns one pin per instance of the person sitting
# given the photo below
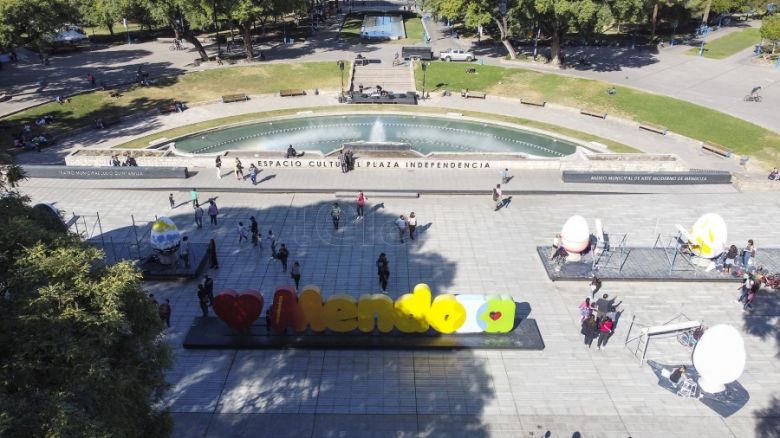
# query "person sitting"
(18, 142)
(291, 152)
(773, 174)
(612, 91)
(130, 161)
(99, 123)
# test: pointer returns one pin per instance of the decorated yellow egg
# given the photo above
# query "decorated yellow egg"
(575, 234)
(709, 236)
(165, 236)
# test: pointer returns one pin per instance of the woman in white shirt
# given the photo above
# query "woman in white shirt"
(412, 222)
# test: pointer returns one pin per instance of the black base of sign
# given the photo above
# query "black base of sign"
(212, 333)
(647, 178)
(154, 271)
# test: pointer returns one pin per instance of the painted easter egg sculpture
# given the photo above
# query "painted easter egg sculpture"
(709, 236)
(165, 236)
(719, 357)
(575, 234)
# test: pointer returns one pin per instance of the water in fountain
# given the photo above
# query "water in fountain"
(377, 132)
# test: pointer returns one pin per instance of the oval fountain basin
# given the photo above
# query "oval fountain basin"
(425, 134)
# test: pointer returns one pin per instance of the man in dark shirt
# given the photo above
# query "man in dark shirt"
(604, 306)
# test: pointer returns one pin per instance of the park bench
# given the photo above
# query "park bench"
(540, 103)
(593, 113)
(653, 128)
(168, 107)
(473, 94)
(228, 98)
(716, 149)
(292, 92)
(471, 71)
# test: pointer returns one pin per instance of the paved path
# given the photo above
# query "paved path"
(463, 247)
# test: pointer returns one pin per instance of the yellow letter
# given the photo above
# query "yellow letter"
(412, 309)
(446, 314)
(375, 304)
(341, 313)
(310, 302)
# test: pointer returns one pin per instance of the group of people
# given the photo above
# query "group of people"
(774, 175)
(128, 161)
(30, 138)
(734, 258)
(346, 161)
(403, 224)
(598, 318)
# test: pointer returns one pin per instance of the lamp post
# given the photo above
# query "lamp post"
(424, 67)
(341, 67)
(674, 30)
(124, 21)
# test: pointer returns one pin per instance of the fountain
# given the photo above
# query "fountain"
(377, 132)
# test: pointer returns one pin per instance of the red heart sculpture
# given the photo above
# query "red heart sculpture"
(495, 316)
(239, 311)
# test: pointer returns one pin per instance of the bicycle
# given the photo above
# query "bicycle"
(176, 46)
(751, 98)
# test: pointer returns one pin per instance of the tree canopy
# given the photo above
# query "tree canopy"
(80, 346)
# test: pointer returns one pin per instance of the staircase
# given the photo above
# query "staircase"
(396, 79)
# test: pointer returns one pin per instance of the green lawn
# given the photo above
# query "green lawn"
(679, 116)
(82, 110)
(143, 142)
(730, 44)
(414, 31)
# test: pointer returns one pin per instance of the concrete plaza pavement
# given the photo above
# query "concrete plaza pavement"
(463, 246)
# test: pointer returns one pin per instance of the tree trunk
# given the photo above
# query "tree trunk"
(501, 23)
(706, 13)
(190, 38)
(246, 32)
(653, 22)
(176, 32)
(555, 47)
(110, 25)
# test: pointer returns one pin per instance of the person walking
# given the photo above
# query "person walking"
(194, 197)
(199, 216)
(361, 203)
(239, 169)
(253, 174)
(241, 230)
(401, 224)
(590, 329)
(595, 287)
(586, 309)
(504, 176)
(497, 197)
(604, 305)
(203, 300)
(383, 270)
(295, 273)
(748, 253)
(747, 286)
(212, 252)
(605, 331)
(254, 230)
(272, 239)
(185, 251)
(213, 212)
(218, 165)
(282, 255)
(165, 312)
(208, 286)
(335, 215)
(412, 223)
(171, 201)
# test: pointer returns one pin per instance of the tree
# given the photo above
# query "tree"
(246, 13)
(80, 346)
(101, 12)
(770, 30)
(180, 15)
(31, 21)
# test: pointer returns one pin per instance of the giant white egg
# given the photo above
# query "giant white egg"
(719, 357)
(165, 236)
(709, 236)
(575, 235)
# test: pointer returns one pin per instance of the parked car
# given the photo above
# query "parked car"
(456, 55)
